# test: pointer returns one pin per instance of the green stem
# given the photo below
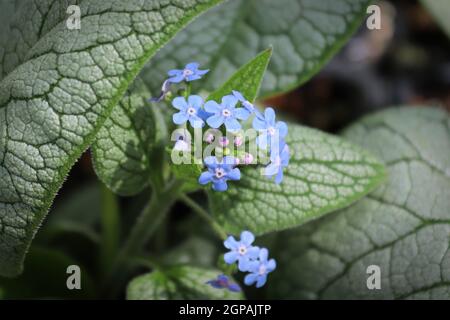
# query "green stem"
(205, 215)
(110, 223)
(146, 224)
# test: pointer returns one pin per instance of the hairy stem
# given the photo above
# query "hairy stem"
(205, 215)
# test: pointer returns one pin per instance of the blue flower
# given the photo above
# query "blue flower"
(259, 269)
(188, 111)
(269, 128)
(219, 172)
(279, 157)
(241, 251)
(246, 104)
(189, 73)
(223, 282)
(226, 113)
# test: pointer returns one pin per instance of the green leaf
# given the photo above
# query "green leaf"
(45, 277)
(181, 282)
(403, 226)
(440, 9)
(52, 105)
(304, 34)
(128, 141)
(247, 80)
(325, 173)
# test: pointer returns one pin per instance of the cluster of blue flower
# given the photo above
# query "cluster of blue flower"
(233, 108)
(249, 258)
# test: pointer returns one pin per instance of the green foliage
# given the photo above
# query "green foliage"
(325, 173)
(440, 9)
(403, 226)
(180, 282)
(53, 104)
(304, 34)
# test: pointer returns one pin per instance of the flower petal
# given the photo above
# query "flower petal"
(234, 174)
(250, 279)
(231, 257)
(205, 177)
(210, 162)
(271, 169)
(215, 121)
(179, 118)
(229, 101)
(174, 72)
(231, 243)
(176, 79)
(279, 176)
(234, 287)
(271, 265)
(241, 113)
(193, 77)
(195, 101)
(238, 95)
(259, 124)
(261, 281)
(263, 254)
(282, 128)
(192, 66)
(196, 122)
(247, 237)
(179, 103)
(232, 124)
(253, 252)
(244, 264)
(202, 72)
(269, 116)
(212, 107)
(220, 185)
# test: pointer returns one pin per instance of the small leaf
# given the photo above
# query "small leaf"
(440, 9)
(403, 226)
(304, 34)
(247, 79)
(325, 173)
(181, 282)
(53, 104)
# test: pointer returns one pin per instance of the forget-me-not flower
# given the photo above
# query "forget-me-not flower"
(190, 72)
(279, 157)
(188, 111)
(241, 251)
(223, 282)
(259, 269)
(226, 113)
(269, 128)
(219, 172)
(246, 104)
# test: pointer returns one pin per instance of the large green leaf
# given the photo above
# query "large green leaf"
(440, 9)
(325, 173)
(130, 138)
(304, 34)
(403, 227)
(181, 282)
(52, 105)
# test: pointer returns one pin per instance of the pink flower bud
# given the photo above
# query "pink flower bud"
(248, 158)
(223, 142)
(209, 138)
(238, 141)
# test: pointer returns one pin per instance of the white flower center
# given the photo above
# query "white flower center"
(187, 72)
(262, 269)
(271, 131)
(226, 112)
(191, 111)
(220, 173)
(242, 250)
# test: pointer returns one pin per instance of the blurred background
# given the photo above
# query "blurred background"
(406, 62)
